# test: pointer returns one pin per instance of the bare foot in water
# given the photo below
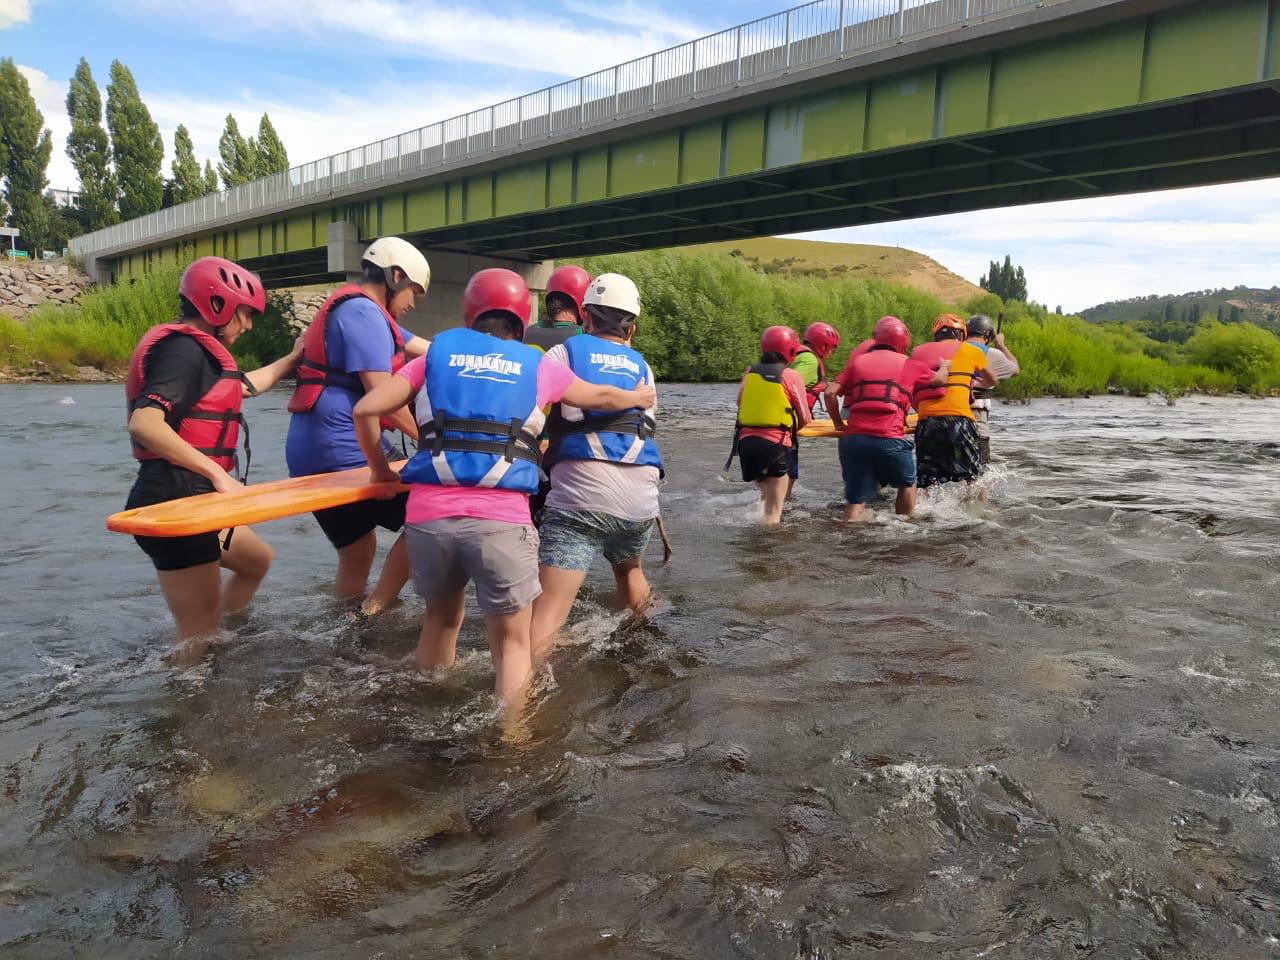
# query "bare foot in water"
(188, 652)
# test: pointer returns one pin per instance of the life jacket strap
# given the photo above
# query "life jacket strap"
(519, 444)
(626, 422)
(887, 397)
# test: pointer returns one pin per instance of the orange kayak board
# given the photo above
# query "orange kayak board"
(257, 503)
(824, 428)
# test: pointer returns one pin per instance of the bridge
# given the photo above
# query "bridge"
(832, 114)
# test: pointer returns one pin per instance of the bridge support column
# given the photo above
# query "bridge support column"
(450, 271)
(344, 249)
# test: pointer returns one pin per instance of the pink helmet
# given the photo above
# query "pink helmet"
(823, 338)
(892, 332)
(496, 289)
(781, 340)
(217, 287)
(572, 282)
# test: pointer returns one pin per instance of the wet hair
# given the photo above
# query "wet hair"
(772, 356)
(611, 320)
(500, 324)
(558, 303)
(948, 333)
(187, 310)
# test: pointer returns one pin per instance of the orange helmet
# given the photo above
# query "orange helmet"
(949, 321)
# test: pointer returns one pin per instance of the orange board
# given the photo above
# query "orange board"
(824, 428)
(256, 503)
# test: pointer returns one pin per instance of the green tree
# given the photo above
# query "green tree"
(27, 146)
(272, 156)
(188, 182)
(1236, 315)
(239, 156)
(89, 151)
(135, 144)
(64, 223)
(1005, 280)
(210, 178)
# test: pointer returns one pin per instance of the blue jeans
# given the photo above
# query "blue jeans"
(869, 463)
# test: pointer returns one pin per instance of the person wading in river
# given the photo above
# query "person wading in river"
(566, 287)
(480, 394)
(819, 342)
(605, 468)
(946, 438)
(1002, 364)
(353, 344)
(184, 393)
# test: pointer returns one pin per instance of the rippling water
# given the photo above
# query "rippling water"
(1040, 726)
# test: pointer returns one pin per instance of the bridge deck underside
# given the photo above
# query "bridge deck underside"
(1217, 139)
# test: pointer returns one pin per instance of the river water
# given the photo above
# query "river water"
(1039, 726)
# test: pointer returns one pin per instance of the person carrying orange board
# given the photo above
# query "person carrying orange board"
(478, 397)
(184, 393)
(566, 287)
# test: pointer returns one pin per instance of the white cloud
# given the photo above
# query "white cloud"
(1084, 252)
(14, 12)
(448, 32)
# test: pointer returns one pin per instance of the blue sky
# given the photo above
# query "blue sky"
(334, 74)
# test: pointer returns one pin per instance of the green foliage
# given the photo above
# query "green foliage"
(239, 156)
(27, 146)
(272, 335)
(63, 224)
(1247, 353)
(90, 152)
(188, 182)
(135, 145)
(1005, 280)
(272, 156)
(210, 178)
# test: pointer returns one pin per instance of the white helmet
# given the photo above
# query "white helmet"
(614, 290)
(393, 252)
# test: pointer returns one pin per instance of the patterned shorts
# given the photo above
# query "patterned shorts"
(946, 451)
(571, 539)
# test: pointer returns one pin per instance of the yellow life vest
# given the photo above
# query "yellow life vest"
(764, 401)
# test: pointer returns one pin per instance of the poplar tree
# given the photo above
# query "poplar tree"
(239, 156)
(135, 144)
(89, 151)
(188, 181)
(27, 146)
(272, 156)
(210, 178)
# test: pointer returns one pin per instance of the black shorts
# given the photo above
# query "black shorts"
(160, 481)
(946, 451)
(762, 458)
(345, 525)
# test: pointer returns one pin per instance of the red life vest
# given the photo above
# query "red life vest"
(932, 354)
(314, 372)
(874, 387)
(212, 425)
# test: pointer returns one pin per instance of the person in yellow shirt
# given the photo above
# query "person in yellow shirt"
(947, 446)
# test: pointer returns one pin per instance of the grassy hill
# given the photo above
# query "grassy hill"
(853, 261)
(1261, 307)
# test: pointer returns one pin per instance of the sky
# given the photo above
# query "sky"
(334, 74)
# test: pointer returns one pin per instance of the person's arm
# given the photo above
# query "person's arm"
(831, 399)
(1004, 348)
(798, 396)
(264, 378)
(388, 396)
(415, 346)
(985, 378)
(941, 375)
(591, 396)
(401, 419)
(148, 427)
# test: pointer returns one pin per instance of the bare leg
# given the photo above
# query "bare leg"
(355, 560)
(559, 589)
(853, 512)
(773, 491)
(248, 559)
(509, 647)
(394, 575)
(634, 591)
(791, 485)
(438, 641)
(194, 597)
(906, 501)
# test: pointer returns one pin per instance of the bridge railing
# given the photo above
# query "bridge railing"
(802, 36)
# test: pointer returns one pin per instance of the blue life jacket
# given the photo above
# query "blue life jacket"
(478, 415)
(625, 437)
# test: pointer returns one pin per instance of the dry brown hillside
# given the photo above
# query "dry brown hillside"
(855, 260)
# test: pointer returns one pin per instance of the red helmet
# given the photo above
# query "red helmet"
(217, 287)
(892, 332)
(949, 321)
(781, 340)
(572, 282)
(496, 289)
(823, 338)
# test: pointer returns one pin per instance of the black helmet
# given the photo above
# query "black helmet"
(981, 327)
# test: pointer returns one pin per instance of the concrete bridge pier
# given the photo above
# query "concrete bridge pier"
(450, 271)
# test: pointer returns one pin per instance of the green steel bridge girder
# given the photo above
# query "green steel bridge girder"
(1183, 96)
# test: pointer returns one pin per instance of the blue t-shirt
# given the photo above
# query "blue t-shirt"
(323, 439)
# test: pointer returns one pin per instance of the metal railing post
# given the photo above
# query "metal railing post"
(787, 45)
(737, 55)
(581, 104)
(966, 10)
(842, 26)
(653, 81)
(519, 120)
(493, 130)
(902, 18)
(615, 92)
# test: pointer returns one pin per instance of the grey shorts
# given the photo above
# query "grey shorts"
(501, 558)
(571, 539)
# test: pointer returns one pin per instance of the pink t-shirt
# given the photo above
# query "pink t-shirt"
(793, 383)
(431, 501)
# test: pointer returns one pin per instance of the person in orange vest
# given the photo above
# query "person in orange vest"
(947, 447)
(877, 386)
(354, 343)
(183, 392)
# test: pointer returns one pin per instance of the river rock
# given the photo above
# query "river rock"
(27, 285)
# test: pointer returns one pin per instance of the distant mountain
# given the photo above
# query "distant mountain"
(856, 261)
(1241, 304)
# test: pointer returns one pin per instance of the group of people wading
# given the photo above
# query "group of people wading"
(504, 412)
